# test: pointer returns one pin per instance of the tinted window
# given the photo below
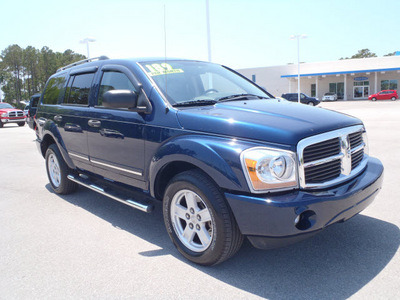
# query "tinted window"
(114, 81)
(78, 89)
(53, 89)
(35, 102)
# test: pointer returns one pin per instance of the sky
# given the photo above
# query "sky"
(244, 33)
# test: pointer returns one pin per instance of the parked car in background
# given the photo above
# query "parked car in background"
(9, 114)
(303, 98)
(384, 95)
(31, 110)
(329, 97)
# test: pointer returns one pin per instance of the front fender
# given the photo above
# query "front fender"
(217, 157)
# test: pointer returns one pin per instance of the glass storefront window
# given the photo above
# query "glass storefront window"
(313, 90)
(337, 88)
(361, 83)
(389, 84)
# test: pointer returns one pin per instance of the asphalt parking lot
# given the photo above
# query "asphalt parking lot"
(86, 246)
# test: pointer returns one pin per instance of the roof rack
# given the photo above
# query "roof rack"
(82, 62)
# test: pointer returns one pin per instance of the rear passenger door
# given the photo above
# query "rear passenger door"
(115, 136)
(72, 119)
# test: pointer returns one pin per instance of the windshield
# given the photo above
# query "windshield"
(5, 105)
(186, 83)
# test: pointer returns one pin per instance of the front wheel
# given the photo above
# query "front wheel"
(57, 171)
(198, 219)
(20, 124)
(310, 103)
(373, 99)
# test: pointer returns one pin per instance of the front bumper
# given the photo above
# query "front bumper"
(279, 220)
(13, 120)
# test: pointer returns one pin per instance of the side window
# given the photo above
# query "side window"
(78, 89)
(53, 89)
(113, 80)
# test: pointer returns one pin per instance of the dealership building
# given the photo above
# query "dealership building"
(350, 79)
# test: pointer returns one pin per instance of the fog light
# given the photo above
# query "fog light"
(305, 220)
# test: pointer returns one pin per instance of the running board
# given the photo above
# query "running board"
(110, 193)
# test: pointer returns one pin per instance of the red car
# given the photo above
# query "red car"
(384, 95)
(9, 114)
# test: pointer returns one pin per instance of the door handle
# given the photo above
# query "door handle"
(94, 123)
(58, 118)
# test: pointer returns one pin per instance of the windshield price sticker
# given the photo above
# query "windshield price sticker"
(161, 69)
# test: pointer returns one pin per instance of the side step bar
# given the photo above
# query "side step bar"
(110, 193)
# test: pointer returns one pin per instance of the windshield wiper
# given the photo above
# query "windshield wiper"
(240, 97)
(195, 103)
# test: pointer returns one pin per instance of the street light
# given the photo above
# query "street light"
(298, 37)
(208, 30)
(87, 41)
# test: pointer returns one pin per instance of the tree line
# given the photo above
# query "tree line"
(365, 53)
(24, 72)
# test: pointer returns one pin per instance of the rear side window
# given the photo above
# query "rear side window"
(78, 89)
(53, 90)
(114, 81)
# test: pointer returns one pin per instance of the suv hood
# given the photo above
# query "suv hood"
(271, 121)
(9, 109)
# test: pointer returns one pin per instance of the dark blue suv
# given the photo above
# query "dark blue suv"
(227, 160)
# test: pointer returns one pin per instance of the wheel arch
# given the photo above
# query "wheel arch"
(216, 159)
(51, 135)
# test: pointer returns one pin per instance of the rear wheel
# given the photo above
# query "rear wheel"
(198, 219)
(57, 172)
(21, 124)
(393, 98)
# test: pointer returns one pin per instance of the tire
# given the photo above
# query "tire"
(57, 172)
(198, 219)
(1, 124)
(393, 98)
(373, 99)
(310, 103)
(20, 124)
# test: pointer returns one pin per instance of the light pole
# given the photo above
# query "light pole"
(87, 41)
(298, 37)
(208, 30)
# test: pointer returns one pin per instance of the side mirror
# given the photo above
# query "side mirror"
(120, 99)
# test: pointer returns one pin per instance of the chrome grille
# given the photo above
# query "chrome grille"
(321, 150)
(330, 158)
(323, 172)
(13, 114)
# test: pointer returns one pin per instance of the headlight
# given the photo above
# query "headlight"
(269, 169)
(4, 115)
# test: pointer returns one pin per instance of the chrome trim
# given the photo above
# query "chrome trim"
(135, 204)
(78, 156)
(323, 160)
(345, 156)
(358, 148)
(117, 168)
